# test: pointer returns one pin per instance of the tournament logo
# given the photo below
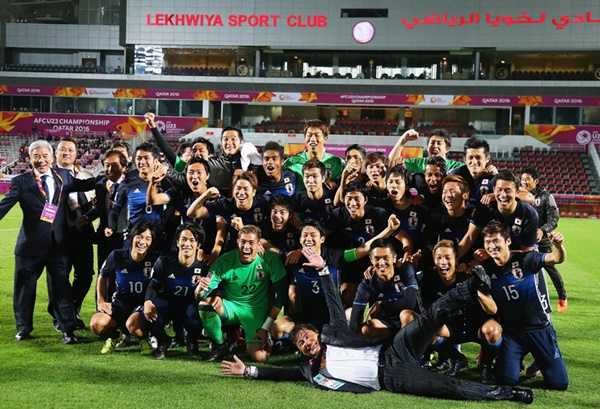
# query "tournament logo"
(583, 137)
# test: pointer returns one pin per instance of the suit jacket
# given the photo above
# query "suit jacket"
(335, 333)
(101, 207)
(35, 236)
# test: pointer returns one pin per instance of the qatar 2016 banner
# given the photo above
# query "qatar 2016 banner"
(564, 134)
(69, 124)
(421, 100)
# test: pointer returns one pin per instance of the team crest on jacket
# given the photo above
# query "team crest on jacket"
(147, 269)
(516, 271)
(516, 228)
(196, 278)
(398, 285)
(412, 219)
(260, 274)
(257, 215)
(484, 189)
(369, 228)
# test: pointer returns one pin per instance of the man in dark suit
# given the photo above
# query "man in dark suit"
(41, 241)
(81, 236)
(346, 361)
(105, 186)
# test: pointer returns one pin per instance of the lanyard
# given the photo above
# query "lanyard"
(43, 192)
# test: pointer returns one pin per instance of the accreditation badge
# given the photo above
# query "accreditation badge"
(49, 213)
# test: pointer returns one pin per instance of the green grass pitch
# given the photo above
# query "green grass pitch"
(42, 372)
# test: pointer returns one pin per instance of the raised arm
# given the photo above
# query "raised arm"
(396, 153)
(559, 254)
(160, 140)
(197, 210)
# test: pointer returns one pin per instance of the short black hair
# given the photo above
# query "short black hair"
(402, 172)
(232, 128)
(314, 163)
(439, 162)
(122, 144)
(444, 134)
(301, 327)
(141, 227)
(181, 149)
(313, 223)
(382, 243)
(357, 147)
(195, 159)
(122, 158)
(273, 146)
(496, 227)
(67, 139)
(282, 200)
(509, 176)
(147, 147)
(196, 230)
(531, 171)
(209, 145)
(476, 143)
(355, 187)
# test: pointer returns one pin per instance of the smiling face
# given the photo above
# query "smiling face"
(248, 246)
(433, 179)
(187, 244)
(311, 238)
(272, 164)
(452, 197)
(476, 161)
(66, 153)
(383, 259)
(355, 204)
(528, 182)
(145, 162)
(200, 150)
(396, 187)
(112, 168)
(279, 217)
(196, 177)
(308, 343)
(41, 159)
(140, 244)
(243, 193)
(313, 180)
(231, 142)
(444, 260)
(315, 140)
(497, 247)
(376, 171)
(506, 196)
(437, 146)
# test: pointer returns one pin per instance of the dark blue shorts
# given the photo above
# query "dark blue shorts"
(543, 346)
